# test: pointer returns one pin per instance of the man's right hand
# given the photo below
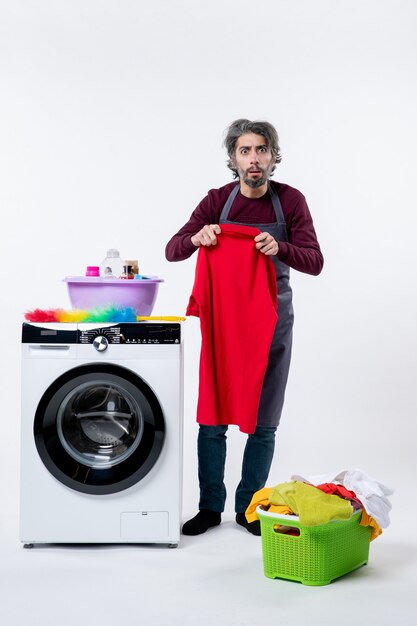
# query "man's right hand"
(206, 236)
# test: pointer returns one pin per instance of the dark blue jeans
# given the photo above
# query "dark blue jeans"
(257, 459)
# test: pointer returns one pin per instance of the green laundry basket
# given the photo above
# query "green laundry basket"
(318, 554)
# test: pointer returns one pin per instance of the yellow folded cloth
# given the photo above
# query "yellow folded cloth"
(312, 505)
(282, 509)
(261, 498)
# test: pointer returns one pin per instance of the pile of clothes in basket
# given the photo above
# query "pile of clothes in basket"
(322, 498)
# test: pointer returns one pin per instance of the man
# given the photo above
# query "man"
(288, 237)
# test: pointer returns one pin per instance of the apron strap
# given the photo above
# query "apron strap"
(226, 209)
(276, 204)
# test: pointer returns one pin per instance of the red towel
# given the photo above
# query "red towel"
(235, 296)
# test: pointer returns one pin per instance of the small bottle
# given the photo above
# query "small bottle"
(127, 272)
(134, 264)
(112, 265)
(92, 270)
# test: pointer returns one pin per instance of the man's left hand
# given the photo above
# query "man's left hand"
(266, 244)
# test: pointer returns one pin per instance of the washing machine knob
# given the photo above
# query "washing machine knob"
(100, 343)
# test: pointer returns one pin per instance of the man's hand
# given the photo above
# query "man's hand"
(206, 236)
(266, 244)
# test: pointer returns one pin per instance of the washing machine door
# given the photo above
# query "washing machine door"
(99, 428)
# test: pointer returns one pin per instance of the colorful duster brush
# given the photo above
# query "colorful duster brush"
(99, 314)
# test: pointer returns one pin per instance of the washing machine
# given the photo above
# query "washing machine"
(101, 433)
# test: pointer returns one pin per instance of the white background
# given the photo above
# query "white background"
(112, 116)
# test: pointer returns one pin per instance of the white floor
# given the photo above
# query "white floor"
(216, 578)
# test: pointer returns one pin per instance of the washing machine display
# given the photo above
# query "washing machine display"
(101, 436)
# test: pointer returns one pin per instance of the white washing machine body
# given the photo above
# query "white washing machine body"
(101, 433)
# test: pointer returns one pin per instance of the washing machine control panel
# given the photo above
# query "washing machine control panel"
(99, 337)
(131, 334)
(102, 336)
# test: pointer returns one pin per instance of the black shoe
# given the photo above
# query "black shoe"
(204, 520)
(251, 527)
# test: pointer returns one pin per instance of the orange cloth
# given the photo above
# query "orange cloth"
(367, 520)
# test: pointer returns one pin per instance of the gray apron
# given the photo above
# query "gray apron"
(276, 376)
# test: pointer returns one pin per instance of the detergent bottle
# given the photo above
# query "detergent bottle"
(112, 265)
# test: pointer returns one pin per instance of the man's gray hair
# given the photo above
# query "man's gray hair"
(242, 127)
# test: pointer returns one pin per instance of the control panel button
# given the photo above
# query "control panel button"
(100, 343)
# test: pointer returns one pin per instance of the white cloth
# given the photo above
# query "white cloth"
(369, 491)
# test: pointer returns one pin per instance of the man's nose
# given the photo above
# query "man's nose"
(254, 157)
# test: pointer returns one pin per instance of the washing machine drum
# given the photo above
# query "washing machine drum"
(99, 428)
